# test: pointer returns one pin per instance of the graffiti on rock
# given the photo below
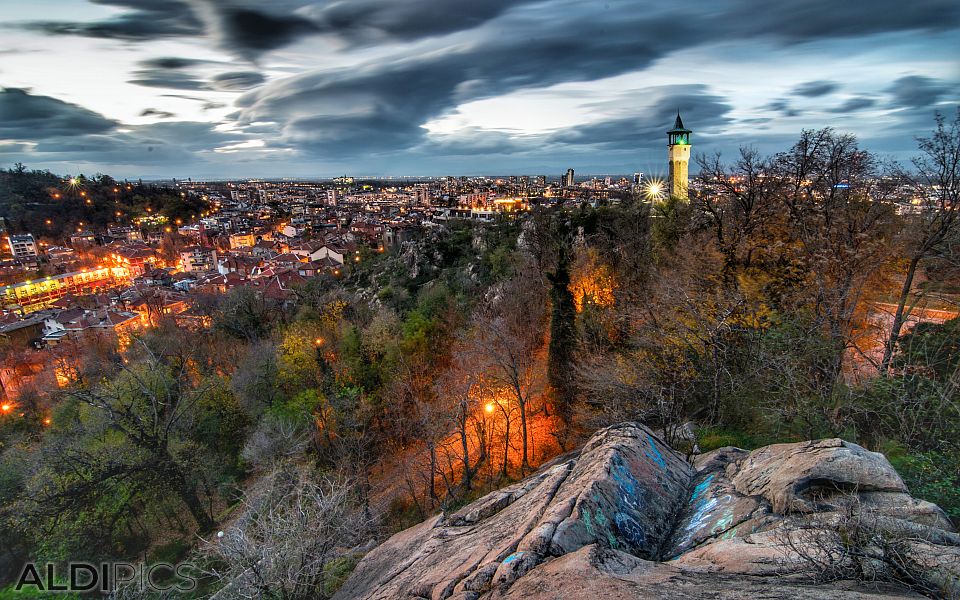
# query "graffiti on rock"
(653, 453)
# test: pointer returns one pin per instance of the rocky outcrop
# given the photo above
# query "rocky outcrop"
(628, 517)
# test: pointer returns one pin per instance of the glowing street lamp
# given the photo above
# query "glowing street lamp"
(6, 407)
(488, 407)
(655, 190)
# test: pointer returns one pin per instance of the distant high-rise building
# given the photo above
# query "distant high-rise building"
(637, 179)
(568, 180)
(678, 154)
(541, 181)
(422, 195)
(23, 246)
(331, 197)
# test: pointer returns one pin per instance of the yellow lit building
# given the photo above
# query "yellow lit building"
(678, 155)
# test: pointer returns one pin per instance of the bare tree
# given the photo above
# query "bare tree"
(937, 183)
(290, 529)
(860, 544)
(506, 345)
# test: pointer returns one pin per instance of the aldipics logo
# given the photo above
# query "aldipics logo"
(105, 577)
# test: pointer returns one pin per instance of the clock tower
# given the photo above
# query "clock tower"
(678, 154)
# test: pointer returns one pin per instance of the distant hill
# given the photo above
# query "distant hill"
(53, 206)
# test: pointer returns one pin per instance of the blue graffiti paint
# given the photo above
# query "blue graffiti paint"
(630, 529)
(512, 557)
(654, 454)
(701, 488)
(602, 521)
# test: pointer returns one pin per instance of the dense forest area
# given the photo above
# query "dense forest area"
(50, 206)
(271, 449)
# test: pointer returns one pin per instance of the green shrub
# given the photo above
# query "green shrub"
(712, 439)
(336, 572)
(933, 476)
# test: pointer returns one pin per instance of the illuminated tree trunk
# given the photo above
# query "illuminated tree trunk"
(899, 317)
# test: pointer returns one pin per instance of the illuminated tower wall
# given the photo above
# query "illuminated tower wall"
(678, 156)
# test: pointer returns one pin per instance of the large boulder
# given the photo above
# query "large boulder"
(628, 515)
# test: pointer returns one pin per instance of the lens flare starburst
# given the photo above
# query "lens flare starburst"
(656, 189)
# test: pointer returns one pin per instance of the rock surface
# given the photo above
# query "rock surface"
(628, 517)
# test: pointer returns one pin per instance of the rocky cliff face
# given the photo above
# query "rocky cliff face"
(627, 517)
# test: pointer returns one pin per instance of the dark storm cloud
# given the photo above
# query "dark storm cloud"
(162, 143)
(376, 106)
(169, 79)
(237, 80)
(820, 19)
(530, 46)
(408, 19)
(147, 20)
(782, 107)
(171, 63)
(175, 73)
(245, 28)
(155, 112)
(251, 31)
(813, 89)
(915, 91)
(695, 102)
(24, 116)
(474, 141)
(854, 104)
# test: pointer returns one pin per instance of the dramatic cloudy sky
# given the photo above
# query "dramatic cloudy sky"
(244, 88)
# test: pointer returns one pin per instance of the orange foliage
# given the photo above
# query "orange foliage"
(592, 284)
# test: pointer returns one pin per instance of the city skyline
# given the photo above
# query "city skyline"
(205, 89)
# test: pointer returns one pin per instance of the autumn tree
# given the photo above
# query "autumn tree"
(507, 338)
(936, 180)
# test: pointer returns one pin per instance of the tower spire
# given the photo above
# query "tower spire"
(678, 155)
